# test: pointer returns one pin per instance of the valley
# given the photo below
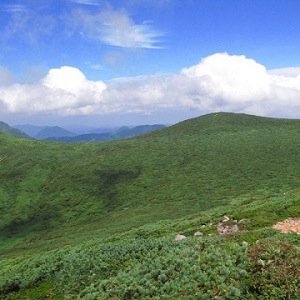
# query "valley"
(58, 200)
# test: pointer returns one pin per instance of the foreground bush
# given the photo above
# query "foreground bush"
(274, 271)
(196, 268)
(168, 270)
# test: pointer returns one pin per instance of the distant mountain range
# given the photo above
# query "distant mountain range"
(53, 132)
(31, 130)
(121, 133)
(87, 130)
(5, 128)
(59, 134)
(44, 132)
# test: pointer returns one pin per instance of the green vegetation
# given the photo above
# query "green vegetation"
(98, 221)
(10, 130)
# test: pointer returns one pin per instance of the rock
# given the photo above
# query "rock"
(198, 234)
(242, 221)
(245, 244)
(180, 237)
(227, 229)
(290, 225)
(221, 229)
(234, 229)
(225, 219)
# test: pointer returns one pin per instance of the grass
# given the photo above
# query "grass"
(61, 204)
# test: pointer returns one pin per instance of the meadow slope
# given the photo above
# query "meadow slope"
(136, 194)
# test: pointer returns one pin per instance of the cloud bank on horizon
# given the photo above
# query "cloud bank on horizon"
(219, 82)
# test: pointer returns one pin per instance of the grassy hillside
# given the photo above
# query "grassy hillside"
(193, 166)
(5, 128)
(178, 179)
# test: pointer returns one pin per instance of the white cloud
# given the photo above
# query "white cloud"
(288, 72)
(220, 82)
(116, 28)
(235, 78)
(236, 83)
(64, 90)
(108, 26)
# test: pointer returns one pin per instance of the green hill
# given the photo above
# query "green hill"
(5, 128)
(93, 198)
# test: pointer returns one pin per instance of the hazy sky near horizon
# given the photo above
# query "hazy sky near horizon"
(127, 62)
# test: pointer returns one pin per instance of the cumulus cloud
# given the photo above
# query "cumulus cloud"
(237, 83)
(288, 72)
(235, 78)
(116, 28)
(220, 82)
(65, 90)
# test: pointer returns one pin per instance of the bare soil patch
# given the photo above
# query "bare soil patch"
(290, 225)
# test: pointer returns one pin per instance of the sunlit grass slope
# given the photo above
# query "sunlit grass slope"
(51, 190)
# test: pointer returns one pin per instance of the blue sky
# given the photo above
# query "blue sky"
(147, 61)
